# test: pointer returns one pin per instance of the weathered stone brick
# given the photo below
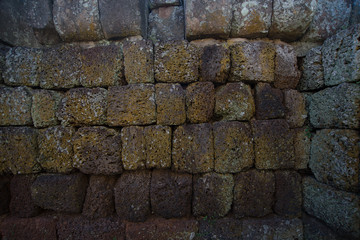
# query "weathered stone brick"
(176, 62)
(3, 51)
(56, 149)
(274, 147)
(253, 193)
(171, 193)
(313, 72)
(19, 150)
(136, 106)
(15, 106)
(340, 210)
(61, 193)
(269, 102)
(158, 146)
(316, 230)
(21, 204)
(5, 194)
(83, 106)
(213, 194)
(45, 105)
(102, 66)
(302, 144)
(170, 104)
(133, 148)
(296, 113)
(234, 101)
(97, 150)
(336, 107)
(99, 200)
(192, 149)
(223, 228)
(233, 145)
(334, 158)
(200, 102)
(138, 61)
(132, 195)
(252, 61)
(163, 3)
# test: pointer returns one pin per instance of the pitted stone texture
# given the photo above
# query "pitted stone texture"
(252, 61)
(269, 102)
(274, 147)
(291, 19)
(207, 18)
(252, 19)
(15, 106)
(272, 228)
(61, 193)
(83, 106)
(330, 17)
(171, 193)
(158, 146)
(253, 193)
(45, 105)
(170, 104)
(200, 102)
(234, 101)
(3, 51)
(296, 113)
(77, 20)
(60, 67)
(355, 16)
(233, 145)
(302, 48)
(164, 3)
(138, 61)
(99, 200)
(313, 71)
(302, 145)
(213, 194)
(341, 57)
(166, 24)
(22, 66)
(339, 210)
(136, 106)
(5, 194)
(287, 74)
(216, 229)
(101, 66)
(132, 195)
(162, 229)
(193, 148)
(336, 107)
(123, 18)
(19, 150)
(335, 158)
(97, 150)
(316, 230)
(21, 204)
(176, 62)
(56, 149)
(133, 148)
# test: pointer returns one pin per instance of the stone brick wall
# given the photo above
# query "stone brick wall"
(168, 125)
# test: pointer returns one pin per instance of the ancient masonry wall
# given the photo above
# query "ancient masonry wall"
(164, 119)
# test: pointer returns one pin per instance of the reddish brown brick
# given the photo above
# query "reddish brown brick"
(133, 152)
(158, 146)
(200, 102)
(269, 102)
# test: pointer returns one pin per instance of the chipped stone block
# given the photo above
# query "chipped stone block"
(164, 3)
(170, 104)
(45, 105)
(15, 106)
(56, 149)
(132, 195)
(253, 193)
(192, 149)
(136, 106)
(336, 107)
(138, 61)
(251, 19)
(83, 106)
(158, 146)
(334, 158)
(274, 147)
(252, 61)
(313, 72)
(269, 102)
(200, 102)
(97, 150)
(222, 228)
(171, 193)
(53, 192)
(133, 148)
(233, 145)
(234, 101)
(296, 113)
(302, 144)
(176, 62)
(213, 194)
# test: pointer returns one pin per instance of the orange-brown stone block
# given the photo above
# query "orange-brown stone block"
(158, 146)
(133, 148)
(269, 102)
(200, 102)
